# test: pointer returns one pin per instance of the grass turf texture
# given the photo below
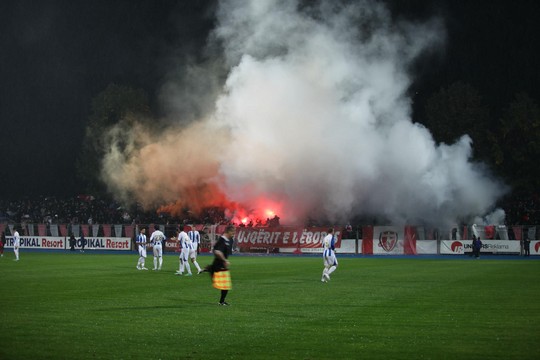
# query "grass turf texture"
(91, 306)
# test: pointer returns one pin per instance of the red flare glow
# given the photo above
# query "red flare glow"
(195, 200)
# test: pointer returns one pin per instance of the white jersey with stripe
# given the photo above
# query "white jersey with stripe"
(328, 244)
(185, 241)
(195, 238)
(141, 240)
(157, 237)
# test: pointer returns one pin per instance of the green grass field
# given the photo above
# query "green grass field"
(92, 306)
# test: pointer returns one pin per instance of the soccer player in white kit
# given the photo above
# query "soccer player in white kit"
(195, 238)
(329, 255)
(156, 240)
(16, 243)
(185, 244)
(141, 242)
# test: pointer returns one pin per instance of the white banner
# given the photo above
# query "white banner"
(75, 229)
(118, 230)
(348, 246)
(101, 243)
(535, 247)
(31, 229)
(388, 240)
(54, 230)
(425, 247)
(38, 242)
(456, 247)
(60, 242)
(95, 230)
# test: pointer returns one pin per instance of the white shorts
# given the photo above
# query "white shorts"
(193, 254)
(158, 250)
(184, 253)
(142, 251)
(329, 258)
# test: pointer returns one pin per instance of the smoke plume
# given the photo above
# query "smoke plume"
(313, 119)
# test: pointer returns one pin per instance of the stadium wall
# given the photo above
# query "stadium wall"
(376, 240)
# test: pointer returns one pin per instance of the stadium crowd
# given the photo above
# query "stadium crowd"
(522, 209)
(87, 209)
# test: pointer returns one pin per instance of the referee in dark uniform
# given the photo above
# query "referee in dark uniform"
(219, 270)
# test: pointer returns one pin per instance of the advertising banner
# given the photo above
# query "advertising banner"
(171, 246)
(457, 247)
(38, 242)
(453, 247)
(59, 242)
(283, 237)
(105, 243)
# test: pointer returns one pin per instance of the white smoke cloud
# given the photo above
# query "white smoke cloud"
(314, 116)
(493, 218)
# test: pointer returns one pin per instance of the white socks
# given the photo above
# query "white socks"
(331, 270)
(186, 264)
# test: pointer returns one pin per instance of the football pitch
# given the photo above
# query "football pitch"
(98, 306)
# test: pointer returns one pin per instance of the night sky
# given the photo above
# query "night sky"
(55, 56)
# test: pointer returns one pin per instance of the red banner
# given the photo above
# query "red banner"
(489, 232)
(85, 230)
(42, 230)
(129, 229)
(388, 240)
(283, 237)
(106, 230)
(409, 245)
(367, 242)
(517, 232)
(63, 230)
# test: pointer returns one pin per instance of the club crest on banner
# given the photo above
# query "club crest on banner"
(388, 240)
(457, 247)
